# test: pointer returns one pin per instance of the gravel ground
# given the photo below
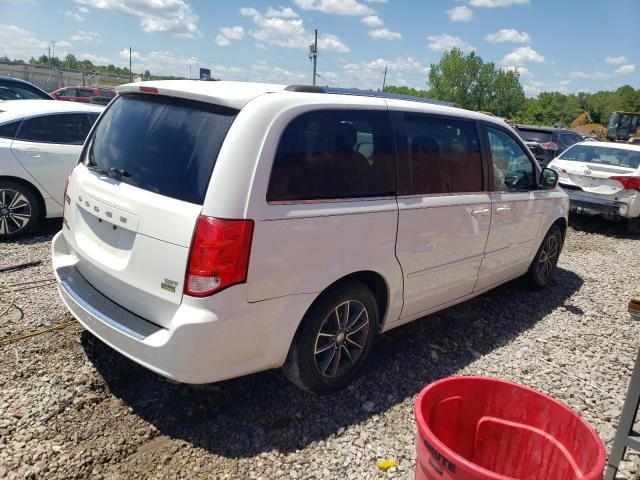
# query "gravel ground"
(72, 408)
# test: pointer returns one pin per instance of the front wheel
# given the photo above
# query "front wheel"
(19, 210)
(544, 263)
(334, 340)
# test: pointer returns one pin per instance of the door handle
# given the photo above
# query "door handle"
(479, 211)
(503, 209)
(33, 152)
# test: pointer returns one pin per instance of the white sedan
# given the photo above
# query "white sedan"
(602, 178)
(40, 143)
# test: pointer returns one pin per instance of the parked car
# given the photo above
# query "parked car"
(82, 94)
(40, 142)
(602, 179)
(547, 142)
(17, 89)
(216, 229)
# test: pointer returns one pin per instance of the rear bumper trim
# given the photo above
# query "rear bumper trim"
(99, 306)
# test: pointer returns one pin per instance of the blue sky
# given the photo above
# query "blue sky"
(563, 45)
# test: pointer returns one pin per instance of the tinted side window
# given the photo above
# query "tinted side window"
(69, 92)
(443, 156)
(9, 130)
(85, 93)
(334, 154)
(70, 128)
(512, 168)
(92, 118)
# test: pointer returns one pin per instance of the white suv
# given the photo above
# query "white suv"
(215, 229)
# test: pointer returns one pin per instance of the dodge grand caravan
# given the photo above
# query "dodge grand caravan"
(215, 229)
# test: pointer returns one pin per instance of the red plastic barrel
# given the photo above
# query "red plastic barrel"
(489, 429)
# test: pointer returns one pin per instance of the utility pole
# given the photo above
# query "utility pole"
(189, 71)
(53, 48)
(49, 55)
(313, 56)
(384, 79)
(130, 72)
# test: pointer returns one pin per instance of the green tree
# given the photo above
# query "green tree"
(471, 83)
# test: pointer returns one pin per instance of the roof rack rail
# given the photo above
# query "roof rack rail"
(366, 93)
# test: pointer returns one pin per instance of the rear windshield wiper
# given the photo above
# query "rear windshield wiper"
(112, 172)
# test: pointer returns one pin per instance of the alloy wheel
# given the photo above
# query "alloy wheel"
(15, 211)
(341, 339)
(548, 257)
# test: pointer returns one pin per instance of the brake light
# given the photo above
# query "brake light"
(219, 255)
(628, 182)
(549, 146)
(148, 89)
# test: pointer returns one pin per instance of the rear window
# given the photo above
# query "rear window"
(603, 155)
(166, 145)
(540, 136)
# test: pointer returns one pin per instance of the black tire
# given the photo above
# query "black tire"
(324, 357)
(544, 263)
(633, 227)
(19, 209)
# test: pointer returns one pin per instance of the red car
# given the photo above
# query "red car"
(83, 94)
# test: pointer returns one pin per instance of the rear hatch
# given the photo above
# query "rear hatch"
(590, 167)
(535, 139)
(136, 195)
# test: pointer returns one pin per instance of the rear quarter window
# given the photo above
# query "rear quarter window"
(334, 154)
(166, 145)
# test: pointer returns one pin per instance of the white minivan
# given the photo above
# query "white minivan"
(216, 229)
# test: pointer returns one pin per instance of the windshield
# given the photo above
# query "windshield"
(540, 136)
(165, 145)
(15, 92)
(613, 120)
(602, 155)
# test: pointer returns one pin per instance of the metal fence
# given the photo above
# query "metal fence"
(52, 79)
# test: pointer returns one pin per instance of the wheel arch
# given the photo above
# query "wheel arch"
(374, 281)
(35, 190)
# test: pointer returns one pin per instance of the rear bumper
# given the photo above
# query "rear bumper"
(584, 203)
(207, 340)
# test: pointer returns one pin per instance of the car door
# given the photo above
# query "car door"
(516, 205)
(49, 146)
(444, 209)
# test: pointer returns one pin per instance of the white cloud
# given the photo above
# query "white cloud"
(624, 70)
(521, 56)
(496, 3)
(84, 10)
(282, 12)
(615, 60)
(162, 62)
(86, 37)
(618, 72)
(444, 42)
(339, 7)
(372, 21)
(16, 42)
(508, 35)
(98, 59)
(74, 16)
(288, 32)
(523, 71)
(162, 16)
(377, 1)
(227, 34)
(460, 14)
(368, 75)
(384, 34)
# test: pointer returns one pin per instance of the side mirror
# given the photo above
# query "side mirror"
(548, 179)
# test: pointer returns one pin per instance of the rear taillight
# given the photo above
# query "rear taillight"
(549, 146)
(628, 182)
(219, 255)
